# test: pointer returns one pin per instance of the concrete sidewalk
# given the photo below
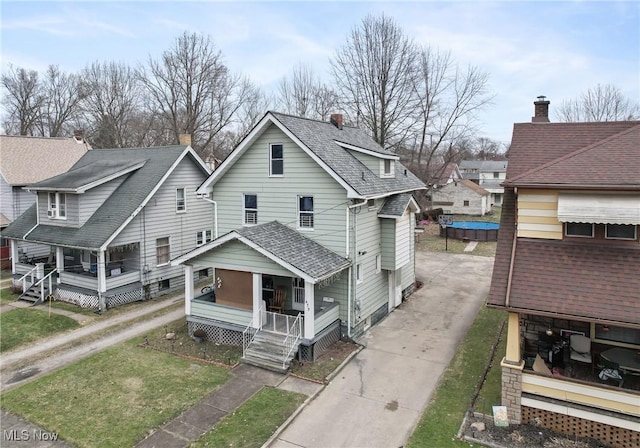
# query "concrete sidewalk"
(378, 398)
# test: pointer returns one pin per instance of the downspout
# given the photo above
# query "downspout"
(352, 278)
(215, 212)
(513, 250)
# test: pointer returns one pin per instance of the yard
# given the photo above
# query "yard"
(26, 325)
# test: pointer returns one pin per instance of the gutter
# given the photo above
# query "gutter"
(215, 212)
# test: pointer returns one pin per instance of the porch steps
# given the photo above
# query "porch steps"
(266, 351)
(33, 295)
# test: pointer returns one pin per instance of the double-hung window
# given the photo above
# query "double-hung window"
(203, 237)
(181, 200)
(163, 250)
(305, 212)
(57, 206)
(250, 209)
(276, 159)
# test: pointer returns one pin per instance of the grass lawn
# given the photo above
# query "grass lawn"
(7, 295)
(25, 325)
(441, 420)
(254, 422)
(116, 396)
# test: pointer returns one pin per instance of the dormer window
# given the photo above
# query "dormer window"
(387, 168)
(276, 160)
(57, 206)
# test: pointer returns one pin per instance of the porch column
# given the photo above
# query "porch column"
(188, 288)
(512, 366)
(257, 299)
(14, 255)
(59, 261)
(309, 318)
(102, 279)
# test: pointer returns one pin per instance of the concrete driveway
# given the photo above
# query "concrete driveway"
(378, 398)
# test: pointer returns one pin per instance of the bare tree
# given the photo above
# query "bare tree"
(23, 100)
(193, 91)
(303, 94)
(63, 93)
(374, 73)
(112, 106)
(601, 103)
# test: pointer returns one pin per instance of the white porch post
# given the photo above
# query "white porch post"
(14, 255)
(188, 288)
(102, 279)
(257, 299)
(309, 318)
(59, 261)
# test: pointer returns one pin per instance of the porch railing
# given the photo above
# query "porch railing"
(249, 333)
(293, 337)
(23, 279)
(47, 278)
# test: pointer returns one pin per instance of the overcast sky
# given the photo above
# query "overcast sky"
(557, 49)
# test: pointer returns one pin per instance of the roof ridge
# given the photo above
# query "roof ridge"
(576, 152)
(316, 120)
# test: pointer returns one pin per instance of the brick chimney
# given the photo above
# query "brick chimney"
(541, 110)
(336, 120)
(185, 139)
(78, 135)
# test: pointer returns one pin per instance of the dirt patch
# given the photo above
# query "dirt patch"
(326, 363)
(521, 436)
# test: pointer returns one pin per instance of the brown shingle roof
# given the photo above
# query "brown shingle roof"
(474, 187)
(611, 163)
(26, 160)
(534, 144)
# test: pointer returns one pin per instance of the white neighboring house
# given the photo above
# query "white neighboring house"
(462, 197)
(489, 174)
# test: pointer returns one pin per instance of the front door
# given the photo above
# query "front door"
(298, 294)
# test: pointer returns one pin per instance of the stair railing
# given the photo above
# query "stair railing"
(23, 279)
(291, 341)
(249, 333)
(41, 283)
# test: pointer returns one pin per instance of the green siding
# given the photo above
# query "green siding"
(388, 243)
(221, 313)
(409, 271)
(371, 162)
(277, 196)
(338, 291)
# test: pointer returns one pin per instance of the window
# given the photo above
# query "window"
(181, 200)
(250, 207)
(163, 284)
(387, 168)
(305, 212)
(358, 273)
(371, 204)
(298, 293)
(203, 273)
(276, 160)
(465, 203)
(496, 175)
(620, 231)
(203, 237)
(162, 250)
(579, 229)
(267, 288)
(378, 264)
(57, 208)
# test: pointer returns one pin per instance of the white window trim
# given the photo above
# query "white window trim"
(158, 263)
(392, 171)
(244, 209)
(371, 205)
(635, 233)
(184, 192)
(298, 214)
(378, 264)
(53, 208)
(203, 237)
(271, 145)
(579, 236)
(359, 273)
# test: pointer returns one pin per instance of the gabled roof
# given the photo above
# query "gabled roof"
(485, 165)
(285, 246)
(120, 208)
(329, 147)
(610, 163)
(395, 206)
(19, 155)
(474, 187)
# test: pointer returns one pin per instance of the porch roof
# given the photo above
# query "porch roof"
(396, 205)
(285, 246)
(586, 281)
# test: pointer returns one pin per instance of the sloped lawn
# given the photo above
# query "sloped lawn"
(24, 325)
(115, 397)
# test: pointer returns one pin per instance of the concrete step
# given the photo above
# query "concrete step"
(265, 364)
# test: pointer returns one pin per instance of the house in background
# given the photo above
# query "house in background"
(316, 225)
(567, 271)
(25, 160)
(113, 222)
(462, 197)
(489, 174)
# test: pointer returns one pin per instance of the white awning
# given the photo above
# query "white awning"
(599, 208)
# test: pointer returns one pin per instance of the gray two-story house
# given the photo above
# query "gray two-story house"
(111, 224)
(314, 236)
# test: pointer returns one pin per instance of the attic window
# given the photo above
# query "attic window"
(387, 168)
(276, 159)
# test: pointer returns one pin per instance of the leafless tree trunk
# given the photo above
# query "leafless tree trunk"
(601, 103)
(23, 100)
(374, 74)
(304, 95)
(63, 93)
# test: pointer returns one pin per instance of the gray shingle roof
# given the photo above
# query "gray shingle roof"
(320, 137)
(116, 209)
(296, 249)
(79, 177)
(395, 205)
